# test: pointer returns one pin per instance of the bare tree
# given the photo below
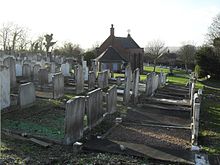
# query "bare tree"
(155, 49)
(187, 54)
(49, 43)
(5, 35)
(214, 29)
(13, 37)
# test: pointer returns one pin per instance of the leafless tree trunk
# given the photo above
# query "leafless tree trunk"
(156, 49)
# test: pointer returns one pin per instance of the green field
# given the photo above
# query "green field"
(179, 77)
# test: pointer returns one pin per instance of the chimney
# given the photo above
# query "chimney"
(112, 30)
(129, 33)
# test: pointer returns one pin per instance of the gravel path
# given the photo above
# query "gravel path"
(177, 139)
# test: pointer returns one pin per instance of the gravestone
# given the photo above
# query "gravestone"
(111, 101)
(103, 79)
(10, 63)
(4, 87)
(43, 76)
(94, 67)
(74, 116)
(155, 82)
(85, 70)
(128, 79)
(36, 69)
(42, 63)
(26, 71)
(79, 79)
(94, 107)
(136, 85)
(149, 84)
(91, 83)
(58, 85)
(195, 117)
(118, 81)
(18, 69)
(65, 69)
(26, 95)
(53, 67)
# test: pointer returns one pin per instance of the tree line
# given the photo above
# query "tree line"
(204, 60)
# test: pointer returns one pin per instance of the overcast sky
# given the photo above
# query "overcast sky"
(87, 22)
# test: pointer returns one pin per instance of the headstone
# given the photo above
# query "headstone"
(128, 79)
(58, 85)
(65, 69)
(43, 76)
(53, 67)
(196, 113)
(26, 95)
(36, 69)
(4, 87)
(149, 85)
(94, 107)
(18, 69)
(94, 67)
(26, 71)
(192, 91)
(111, 96)
(118, 81)
(74, 116)
(136, 85)
(103, 79)
(91, 82)
(79, 79)
(154, 82)
(85, 70)
(10, 63)
(42, 63)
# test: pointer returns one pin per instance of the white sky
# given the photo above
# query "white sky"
(87, 22)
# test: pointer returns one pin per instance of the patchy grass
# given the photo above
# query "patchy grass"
(209, 136)
(44, 118)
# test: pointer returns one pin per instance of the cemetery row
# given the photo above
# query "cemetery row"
(25, 77)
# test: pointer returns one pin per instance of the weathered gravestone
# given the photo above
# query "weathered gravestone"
(94, 67)
(195, 117)
(94, 107)
(128, 79)
(149, 85)
(136, 85)
(58, 85)
(103, 79)
(118, 81)
(65, 69)
(18, 69)
(43, 76)
(36, 69)
(4, 87)
(111, 101)
(26, 95)
(85, 70)
(74, 116)
(92, 78)
(10, 63)
(53, 67)
(26, 71)
(155, 82)
(79, 79)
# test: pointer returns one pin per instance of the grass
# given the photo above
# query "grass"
(44, 118)
(209, 134)
(210, 123)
